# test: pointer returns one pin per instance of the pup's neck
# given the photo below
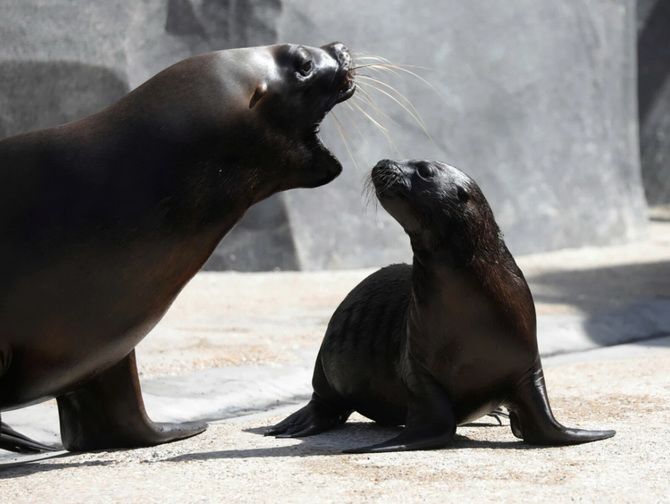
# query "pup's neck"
(439, 276)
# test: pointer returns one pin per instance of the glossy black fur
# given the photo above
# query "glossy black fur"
(439, 343)
(104, 220)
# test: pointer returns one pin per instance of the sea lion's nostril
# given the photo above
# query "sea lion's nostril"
(340, 53)
(383, 169)
(383, 164)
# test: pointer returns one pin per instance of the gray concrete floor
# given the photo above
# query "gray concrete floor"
(235, 344)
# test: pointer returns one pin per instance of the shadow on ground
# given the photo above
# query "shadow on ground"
(621, 304)
(351, 435)
(28, 468)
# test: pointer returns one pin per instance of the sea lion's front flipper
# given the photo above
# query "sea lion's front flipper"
(431, 422)
(326, 410)
(314, 418)
(108, 412)
(16, 442)
(532, 420)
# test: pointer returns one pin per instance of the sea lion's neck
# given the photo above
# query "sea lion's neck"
(201, 172)
(482, 281)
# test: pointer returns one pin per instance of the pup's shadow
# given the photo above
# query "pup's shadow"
(350, 435)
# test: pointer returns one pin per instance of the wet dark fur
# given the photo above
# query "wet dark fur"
(105, 219)
(439, 343)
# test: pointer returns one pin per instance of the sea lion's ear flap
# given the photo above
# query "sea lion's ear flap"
(261, 89)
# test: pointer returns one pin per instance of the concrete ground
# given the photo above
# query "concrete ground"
(235, 344)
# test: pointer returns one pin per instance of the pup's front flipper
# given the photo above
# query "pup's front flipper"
(313, 418)
(532, 420)
(431, 422)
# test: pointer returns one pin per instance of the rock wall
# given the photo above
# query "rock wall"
(535, 99)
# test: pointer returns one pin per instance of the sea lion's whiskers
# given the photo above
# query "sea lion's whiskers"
(357, 55)
(393, 69)
(369, 100)
(414, 113)
(356, 103)
(385, 180)
(374, 60)
(384, 61)
(355, 123)
(413, 74)
(367, 64)
(358, 109)
(374, 66)
(378, 67)
(388, 180)
(356, 66)
(393, 89)
(368, 193)
(338, 124)
(386, 134)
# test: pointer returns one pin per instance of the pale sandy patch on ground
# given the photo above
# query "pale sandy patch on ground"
(232, 462)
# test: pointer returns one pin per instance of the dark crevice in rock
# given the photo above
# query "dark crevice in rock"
(653, 72)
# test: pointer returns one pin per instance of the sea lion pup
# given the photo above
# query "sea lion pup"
(439, 343)
(103, 221)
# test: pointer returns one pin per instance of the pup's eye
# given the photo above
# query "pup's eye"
(463, 195)
(306, 67)
(426, 170)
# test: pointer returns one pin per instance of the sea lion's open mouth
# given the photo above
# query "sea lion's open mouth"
(339, 86)
(347, 85)
(344, 90)
(347, 89)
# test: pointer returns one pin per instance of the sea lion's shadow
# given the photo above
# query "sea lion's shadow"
(350, 435)
(22, 468)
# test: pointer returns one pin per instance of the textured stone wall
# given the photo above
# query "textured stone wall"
(536, 99)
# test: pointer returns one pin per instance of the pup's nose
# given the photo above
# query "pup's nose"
(384, 166)
(340, 52)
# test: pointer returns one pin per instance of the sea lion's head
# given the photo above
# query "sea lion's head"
(439, 207)
(292, 89)
(248, 118)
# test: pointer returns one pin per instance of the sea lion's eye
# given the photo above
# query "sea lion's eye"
(306, 67)
(426, 170)
(463, 195)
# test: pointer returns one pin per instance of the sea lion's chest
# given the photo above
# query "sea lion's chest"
(467, 343)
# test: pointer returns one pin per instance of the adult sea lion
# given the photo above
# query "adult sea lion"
(103, 221)
(439, 343)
